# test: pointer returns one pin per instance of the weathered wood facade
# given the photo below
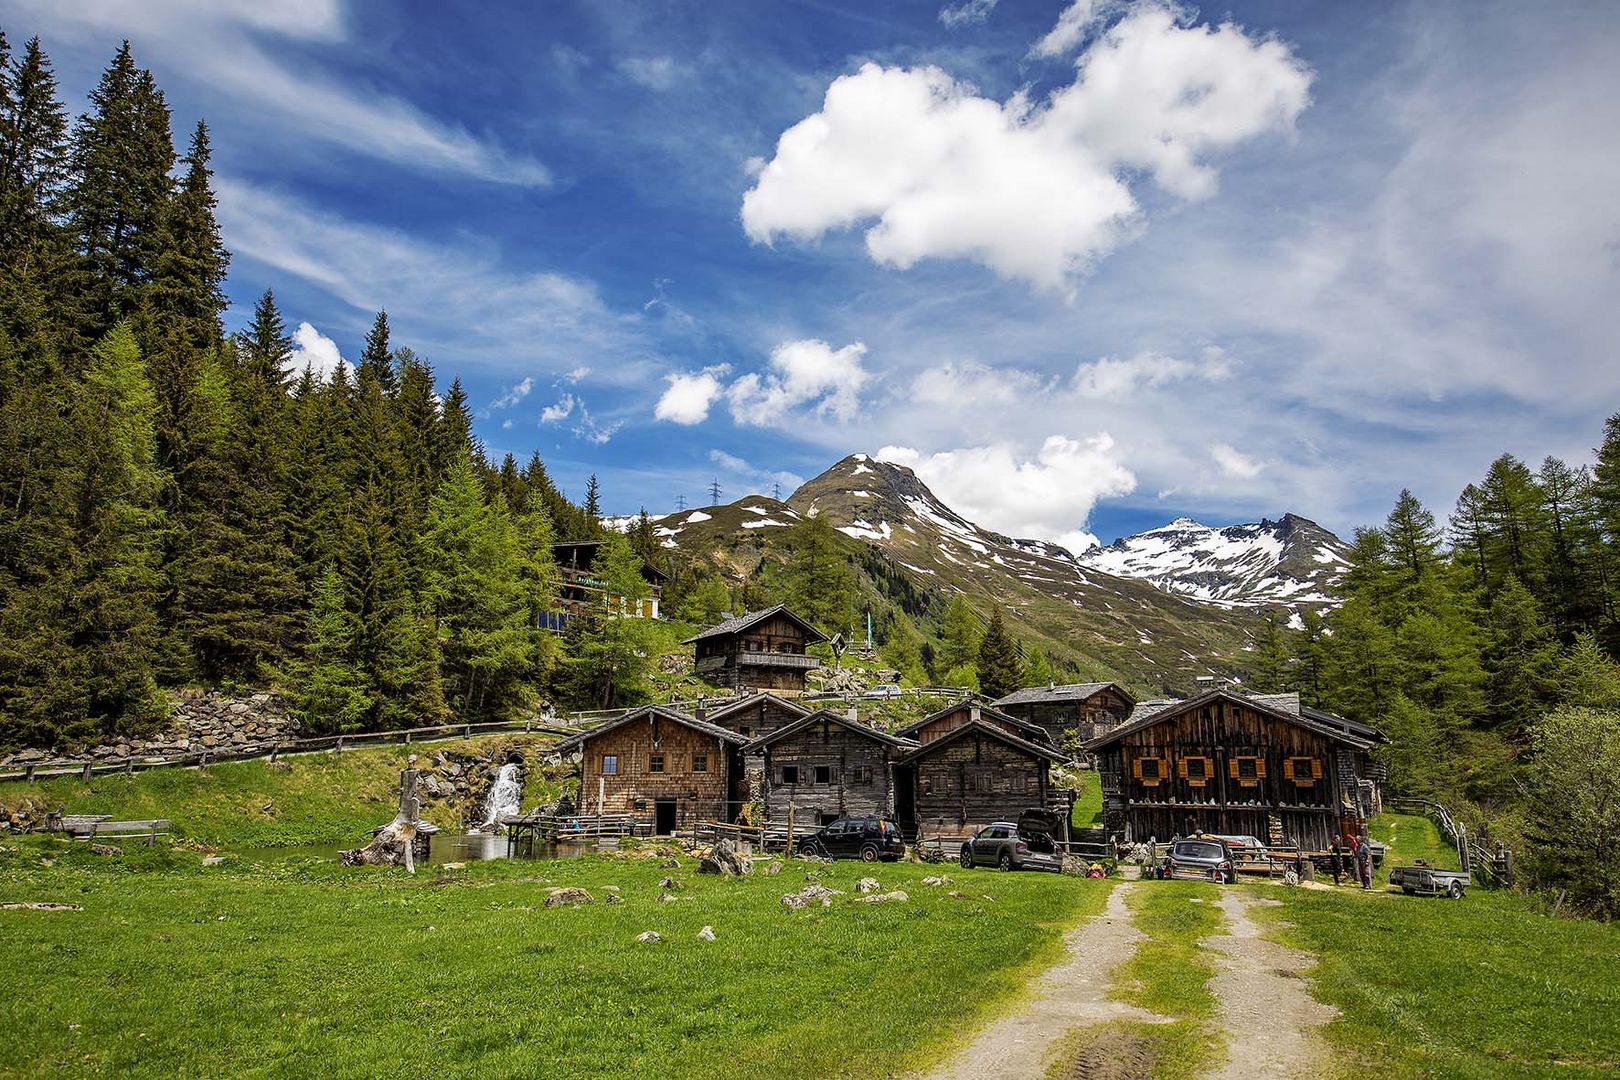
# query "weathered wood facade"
(667, 769)
(755, 715)
(939, 724)
(763, 650)
(1231, 763)
(826, 766)
(582, 592)
(1082, 711)
(973, 775)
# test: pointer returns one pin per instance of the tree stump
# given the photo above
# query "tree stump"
(395, 843)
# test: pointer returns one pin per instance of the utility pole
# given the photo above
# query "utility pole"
(776, 490)
(714, 491)
(680, 503)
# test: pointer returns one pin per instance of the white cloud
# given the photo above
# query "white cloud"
(971, 383)
(1033, 190)
(687, 399)
(1109, 379)
(764, 479)
(1071, 27)
(652, 72)
(513, 395)
(1049, 497)
(562, 410)
(314, 350)
(966, 13)
(218, 46)
(593, 432)
(802, 372)
(1233, 463)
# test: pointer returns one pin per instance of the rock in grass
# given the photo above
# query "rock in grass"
(570, 895)
(811, 894)
(35, 905)
(878, 898)
(706, 934)
(724, 859)
(936, 881)
(106, 849)
(213, 860)
(649, 936)
(614, 898)
(772, 869)
(867, 885)
(670, 883)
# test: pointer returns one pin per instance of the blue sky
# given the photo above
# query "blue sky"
(1086, 266)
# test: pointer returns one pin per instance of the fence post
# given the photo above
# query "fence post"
(407, 738)
(340, 744)
(87, 772)
(30, 776)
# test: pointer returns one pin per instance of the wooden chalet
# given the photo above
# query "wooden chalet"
(937, 725)
(972, 775)
(584, 593)
(754, 715)
(762, 650)
(1233, 763)
(827, 765)
(667, 769)
(1087, 710)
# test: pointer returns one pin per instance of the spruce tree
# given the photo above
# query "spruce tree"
(999, 668)
(959, 638)
(612, 657)
(1270, 671)
(1521, 656)
(820, 582)
(902, 649)
(330, 694)
(33, 156)
(377, 357)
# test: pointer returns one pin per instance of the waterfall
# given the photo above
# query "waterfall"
(505, 798)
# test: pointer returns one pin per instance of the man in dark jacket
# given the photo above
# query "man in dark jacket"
(1364, 862)
(1336, 861)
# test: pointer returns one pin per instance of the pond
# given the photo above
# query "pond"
(445, 847)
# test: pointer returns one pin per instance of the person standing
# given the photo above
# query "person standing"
(1336, 861)
(1364, 862)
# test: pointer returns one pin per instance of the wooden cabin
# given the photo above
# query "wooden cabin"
(827, 765)
(973, 775)
(1084, 711)
(937, 725)
(762, 650)
(582, 592)
(755, 715)
(1233, 763)
(667, 769)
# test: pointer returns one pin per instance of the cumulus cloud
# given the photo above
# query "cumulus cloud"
(1047, 497)
(1034, 190)
(966, 13)
(802, 372)
(1110, 379)
(1234, 464)
(562, 410)
(314, 350)
(513, 395)
(1071, 27)
(687, 398)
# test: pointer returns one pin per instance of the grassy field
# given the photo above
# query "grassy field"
(1483, 987)
(317, 799)
(1088, 803)
(272, 968)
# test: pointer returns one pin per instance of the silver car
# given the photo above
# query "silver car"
(1203, 859)
(1023, 845)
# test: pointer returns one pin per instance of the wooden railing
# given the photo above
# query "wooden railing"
(1496, 867)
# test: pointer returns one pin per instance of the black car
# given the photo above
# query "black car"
(1025, 845)
(866, 838)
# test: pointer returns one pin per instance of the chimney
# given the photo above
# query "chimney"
(852, 714)
(700, 712)
(973, 712)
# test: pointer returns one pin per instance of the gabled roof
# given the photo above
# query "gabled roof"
(1336, 728)
(982, 728)
(737, 705)
(831, 717)
(574, 742)
(743, 622)
(1052, 694)
(984, 710)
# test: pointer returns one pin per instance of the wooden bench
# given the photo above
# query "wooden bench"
(101, 827)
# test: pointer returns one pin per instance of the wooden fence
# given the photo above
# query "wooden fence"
(1487, 866)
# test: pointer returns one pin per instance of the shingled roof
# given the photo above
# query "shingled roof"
(574, 742)
(1284, 706)
(743, 622)
(982, 728)
(833, 718)
(1051, 694)
(984, 710)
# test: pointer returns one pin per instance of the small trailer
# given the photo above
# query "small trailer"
(1430, 881)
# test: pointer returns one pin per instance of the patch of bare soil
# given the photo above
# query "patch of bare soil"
(1115, 1054)
(1071, 994)
(1264, 1003)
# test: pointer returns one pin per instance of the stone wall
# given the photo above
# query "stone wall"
(205, 721)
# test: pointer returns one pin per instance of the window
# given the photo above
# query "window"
(1247, 770)
(1303, 771)
(824, 774)
(1032, 784)
(610, 764)
(1196, 770)
(1149, 770)
(860, 774)
(790, 774)
(655, 763)
(700, 762)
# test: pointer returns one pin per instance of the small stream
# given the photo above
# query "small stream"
(445, 848)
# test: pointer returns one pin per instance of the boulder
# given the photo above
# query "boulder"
(936, 881)
(811, 894)
(706, 934)
(724, 859)
(570, 895)
(772, 869)
(106, 849)
(669, 883)
(879, 898)
(649, 936)
(867, 885)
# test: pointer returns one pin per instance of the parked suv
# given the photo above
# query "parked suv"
(866, 838)
(1023, 845)
(1202, 859)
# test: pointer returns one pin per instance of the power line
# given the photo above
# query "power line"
(776, 490)
(714, 492)
(680, 503)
